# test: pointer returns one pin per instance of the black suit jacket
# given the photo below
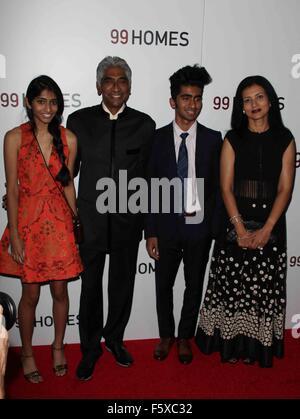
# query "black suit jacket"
(105, 147)
(162, 164)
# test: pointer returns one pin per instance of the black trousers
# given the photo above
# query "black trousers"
(195, 257)
(121, 276)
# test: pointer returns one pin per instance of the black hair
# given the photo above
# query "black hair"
(36, 86)
(188, 76)
(239, 120)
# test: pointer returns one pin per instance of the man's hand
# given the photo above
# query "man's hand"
(152, 247)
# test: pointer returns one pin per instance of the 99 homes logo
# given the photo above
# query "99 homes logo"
(47, 321)
(149, 37)
(12, 99)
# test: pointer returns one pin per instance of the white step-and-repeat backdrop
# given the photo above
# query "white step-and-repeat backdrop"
(66, 39)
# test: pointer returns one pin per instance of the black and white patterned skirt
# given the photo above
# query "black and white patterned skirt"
(243, 311)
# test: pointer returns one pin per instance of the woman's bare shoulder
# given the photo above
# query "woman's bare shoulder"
(14, 134)
(12, 138)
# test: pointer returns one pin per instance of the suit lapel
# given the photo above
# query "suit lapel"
(200, 151)
(170, 147)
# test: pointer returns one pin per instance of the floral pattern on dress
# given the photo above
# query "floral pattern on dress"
(44, 219)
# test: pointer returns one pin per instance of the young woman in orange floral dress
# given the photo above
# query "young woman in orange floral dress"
(38, 245)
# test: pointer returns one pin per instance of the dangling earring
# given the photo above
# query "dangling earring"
(244, 111)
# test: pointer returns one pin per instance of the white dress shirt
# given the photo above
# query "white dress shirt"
(113, 116)
(193, 203)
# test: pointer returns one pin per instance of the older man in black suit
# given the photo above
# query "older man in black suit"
(187, 150)
(111, 138)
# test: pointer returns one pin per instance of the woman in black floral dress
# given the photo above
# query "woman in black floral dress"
(243, 312)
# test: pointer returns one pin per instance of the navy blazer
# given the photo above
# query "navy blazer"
(162, 164)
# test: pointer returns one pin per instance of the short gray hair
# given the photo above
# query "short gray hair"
(112, 62)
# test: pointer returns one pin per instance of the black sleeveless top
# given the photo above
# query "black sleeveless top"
(257, 168)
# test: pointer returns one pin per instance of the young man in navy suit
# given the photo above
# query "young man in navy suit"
(183, 149)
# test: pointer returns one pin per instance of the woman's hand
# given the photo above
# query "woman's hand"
(17, 248)
(260, 238)
(245, 240)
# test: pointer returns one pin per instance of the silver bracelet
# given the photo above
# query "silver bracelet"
(236, 219)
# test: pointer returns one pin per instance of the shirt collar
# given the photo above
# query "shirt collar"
(192, 130)
(111, 116)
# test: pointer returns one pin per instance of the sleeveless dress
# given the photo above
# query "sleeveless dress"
(243, 311)
(44, 219)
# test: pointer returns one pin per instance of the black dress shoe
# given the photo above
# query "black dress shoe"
(86, 366)
(249, 361)
(185, 354)
(163, 348)
(122, 356)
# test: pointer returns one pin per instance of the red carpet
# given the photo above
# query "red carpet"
(204, 378)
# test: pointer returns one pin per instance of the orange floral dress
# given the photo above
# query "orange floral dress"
(44, 219)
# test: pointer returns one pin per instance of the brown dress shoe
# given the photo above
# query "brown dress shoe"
(163, 348)
(185, 354)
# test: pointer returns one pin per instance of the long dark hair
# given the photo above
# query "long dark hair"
(239, 120)
(36, 86)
